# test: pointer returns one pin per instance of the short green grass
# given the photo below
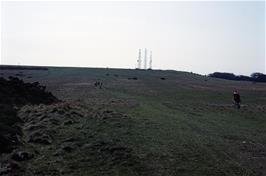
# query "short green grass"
(184, 125)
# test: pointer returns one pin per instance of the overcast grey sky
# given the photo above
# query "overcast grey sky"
(202, 37)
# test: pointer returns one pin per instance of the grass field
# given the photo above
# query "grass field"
(163, 123)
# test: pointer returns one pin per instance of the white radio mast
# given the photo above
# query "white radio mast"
(145, 59)
(151, 60)
(139, 59)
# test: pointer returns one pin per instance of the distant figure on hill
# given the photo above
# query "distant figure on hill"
(237, 99)
(98, 84)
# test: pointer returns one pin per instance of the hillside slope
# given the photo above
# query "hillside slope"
(143, 123)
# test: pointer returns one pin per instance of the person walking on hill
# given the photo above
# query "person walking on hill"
(237, 99)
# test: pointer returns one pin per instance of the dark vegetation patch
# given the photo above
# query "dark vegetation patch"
(115, 75)
(13, 94)
(21, 155)
(255, 77)
(132, 78)
(10, 67)
(19, 75)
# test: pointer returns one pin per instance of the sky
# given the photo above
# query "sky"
(199, 37)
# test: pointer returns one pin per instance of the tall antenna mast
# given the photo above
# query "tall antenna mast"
(145, 59)
(139, 59)
(151, 60)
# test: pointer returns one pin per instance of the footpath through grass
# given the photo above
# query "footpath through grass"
(190, 133)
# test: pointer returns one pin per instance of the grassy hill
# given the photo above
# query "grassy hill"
(144, 122)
